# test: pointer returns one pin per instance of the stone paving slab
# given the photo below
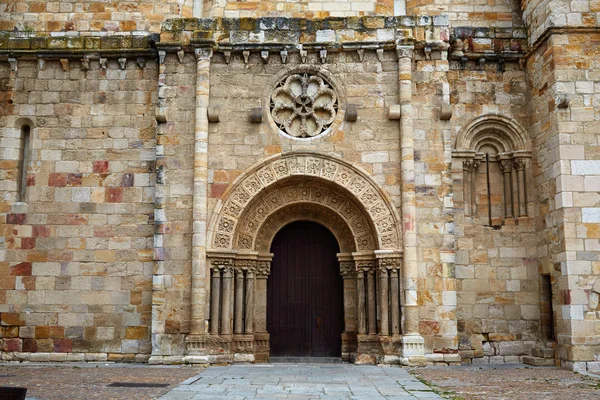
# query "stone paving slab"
(302, 381)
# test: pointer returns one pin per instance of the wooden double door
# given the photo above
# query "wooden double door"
(305, 313)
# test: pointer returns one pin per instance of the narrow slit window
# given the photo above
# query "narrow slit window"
(23, 162)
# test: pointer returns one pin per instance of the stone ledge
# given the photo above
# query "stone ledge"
(24, 357)
(295, 31)
(16, 45)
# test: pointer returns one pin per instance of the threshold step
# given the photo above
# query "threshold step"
(305, 360)
(538, 361)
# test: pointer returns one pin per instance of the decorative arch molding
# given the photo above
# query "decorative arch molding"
(502, 146)
(305, 212)
(334, 184)
(504, 134)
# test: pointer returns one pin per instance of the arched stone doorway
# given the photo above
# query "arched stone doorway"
(305, 316)
(302, 187)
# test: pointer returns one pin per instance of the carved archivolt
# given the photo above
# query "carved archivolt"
(328, 182)
(309, 212)
(504, 134)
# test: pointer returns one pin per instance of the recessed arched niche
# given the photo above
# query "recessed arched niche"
(495, 156)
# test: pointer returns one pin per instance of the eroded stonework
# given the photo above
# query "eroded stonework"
(151, 152)
(346, 187)
(304, 105)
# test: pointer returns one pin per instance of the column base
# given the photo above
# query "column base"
(262, 348)
(348, 346)
(242, 347)
(413, 350)
(368, 349)
(213, 349)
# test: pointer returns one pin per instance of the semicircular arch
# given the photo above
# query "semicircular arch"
(267, 187)
(304, 212)
(508, 135)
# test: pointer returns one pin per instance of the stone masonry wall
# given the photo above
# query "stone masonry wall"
(473, 13)
(297, 9)
(172, 297)
(372, 142)
(539, 15)
(76, 258)
(433, 186)
(90, 15)
(566, 143)
(496, 269)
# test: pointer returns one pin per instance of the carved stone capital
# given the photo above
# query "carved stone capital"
(245, 265)
(520, 164)
(506, 165)
(221, 263)
(263, 268)
(405, 52)
(365, 265)
(389, 264)
(347, 269)
(203, 54)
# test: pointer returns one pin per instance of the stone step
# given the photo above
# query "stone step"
(544, 352)
(538, 361)
(306, 360)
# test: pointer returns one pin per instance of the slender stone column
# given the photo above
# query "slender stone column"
(360, 295)
(347, 270)
(226, 301)
(214, 301)
(238, 311)
(506, 165)
(520, 165)
(371, 305)
(384, 301)
(467, 187)
(263, 269)
(200, 190)
(474, 168)
(249, 301)
(409, 234)
(395, 292)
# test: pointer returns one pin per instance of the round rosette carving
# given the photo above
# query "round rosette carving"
(304, 105)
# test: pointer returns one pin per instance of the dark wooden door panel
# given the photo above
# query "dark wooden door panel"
(304, 300)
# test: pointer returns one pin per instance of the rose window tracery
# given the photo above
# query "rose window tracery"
(304, 105)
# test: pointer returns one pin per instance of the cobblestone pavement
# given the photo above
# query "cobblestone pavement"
(508, 382)
(90, 381)
(302, 381)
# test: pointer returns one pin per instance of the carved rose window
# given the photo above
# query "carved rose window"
(304, 105)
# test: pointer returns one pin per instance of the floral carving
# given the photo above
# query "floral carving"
(303, 105)
(357, 202)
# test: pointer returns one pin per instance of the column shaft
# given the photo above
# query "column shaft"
(506, 166)
(238, 312)
(466, 188)
(522, 188)
(384, 302)
(360, 295)
(214, 302)
(249, 302)
(226, 302)
(371, 304)
(407, 166)
(200, 190)
(473, 181)
(395, 302)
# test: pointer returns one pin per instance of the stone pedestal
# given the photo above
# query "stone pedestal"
(368, 349)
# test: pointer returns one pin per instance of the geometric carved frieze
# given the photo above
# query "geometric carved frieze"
(331, 183)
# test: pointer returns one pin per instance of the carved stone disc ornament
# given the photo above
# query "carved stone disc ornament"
(304, 105)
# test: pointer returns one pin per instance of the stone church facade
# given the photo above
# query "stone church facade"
(155, 154)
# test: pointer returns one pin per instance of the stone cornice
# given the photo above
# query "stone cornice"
(23, 47)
